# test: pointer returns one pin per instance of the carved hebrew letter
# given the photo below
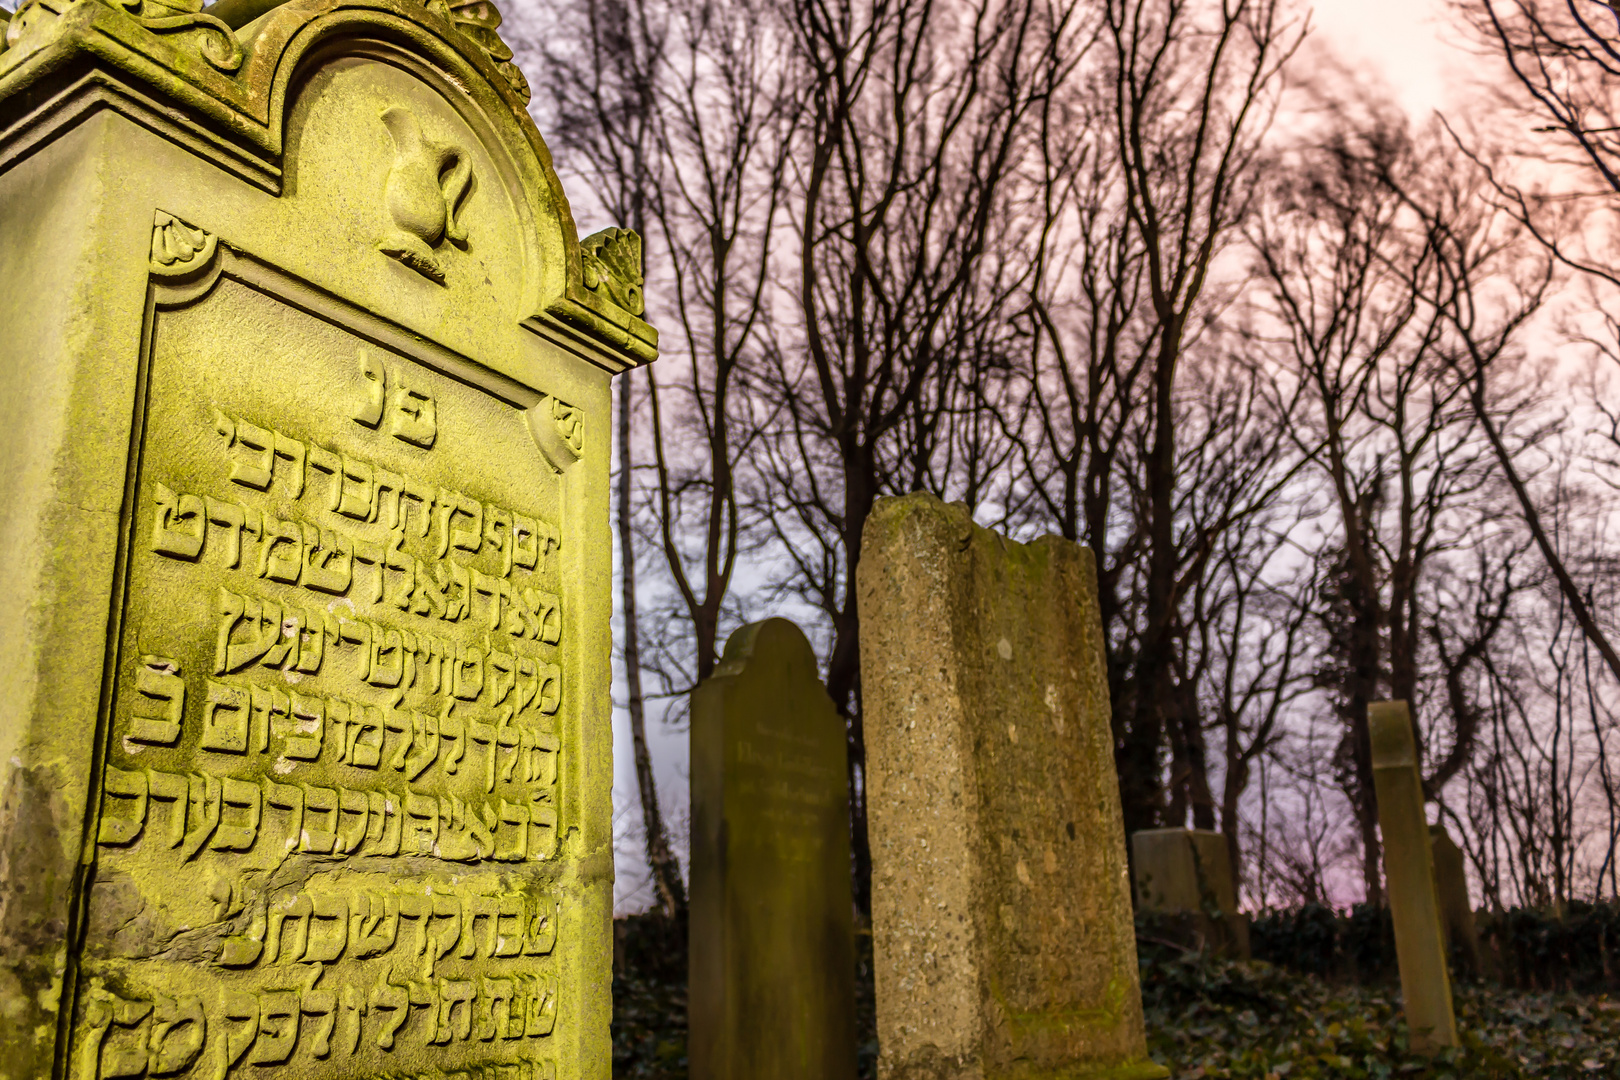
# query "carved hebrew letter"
(324, 460)
(291, 450)
(174, 789)
(423, 495)
(202, 816)
(287, 797)
(295, 908)
(159, 702)
(329, 928)
(328, 562)
(178, 1031)
(370, 412)
(351, 804)
(359, 490)
(393, 999)
(373, 933)
(239, 835)
(122, 786)
(178, 524)
(541, 936)
(241, 1010)
(278, 1027)
(282, 557)
(498, 534)
(497, 997)
(225, 719)
(550, 691)
(413, 416)
(319, 801)
(467, 674)
(549, 610)
(256, 469)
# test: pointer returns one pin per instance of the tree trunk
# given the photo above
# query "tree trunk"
(666, 871)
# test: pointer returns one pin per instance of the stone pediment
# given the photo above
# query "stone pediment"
(221, 82)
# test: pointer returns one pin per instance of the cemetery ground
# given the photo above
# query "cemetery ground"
(1210, 1019)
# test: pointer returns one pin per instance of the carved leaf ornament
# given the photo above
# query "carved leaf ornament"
(611, 260)
(178, 248)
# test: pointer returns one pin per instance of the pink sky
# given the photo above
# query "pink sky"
(1401, 40)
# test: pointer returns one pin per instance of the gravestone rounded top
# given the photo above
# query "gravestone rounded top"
(442, 119)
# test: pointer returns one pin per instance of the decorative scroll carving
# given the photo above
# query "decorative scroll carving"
(424, 192)
(558, 429)
(611, 260)
(215, 41)
(179, 249)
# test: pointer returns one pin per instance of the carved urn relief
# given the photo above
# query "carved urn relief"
(426, 188)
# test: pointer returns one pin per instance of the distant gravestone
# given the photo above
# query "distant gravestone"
(772, 961)
(1456, 910)
(1185, 877)
(305, 750)
(1409, 876)
(1001, 909)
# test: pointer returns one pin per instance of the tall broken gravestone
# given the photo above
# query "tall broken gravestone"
(1414, 901)
(306, 751)
(1184, 879)
(772, 945)
(1001, 907)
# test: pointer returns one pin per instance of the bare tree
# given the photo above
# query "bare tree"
(1374, 245)
(606, 110)
(1565, 79)
(915, 127)
(675, 112)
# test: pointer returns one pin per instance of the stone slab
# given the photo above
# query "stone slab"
(1001, 910)
(1409, 878)
(1456, 910)
(1185, 876)
(306, 726)
(772, 945)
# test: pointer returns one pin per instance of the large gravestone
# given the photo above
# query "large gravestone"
(305, 753)
(772, 990)
(1184, 879)
(1414, 902)
(1001, 907)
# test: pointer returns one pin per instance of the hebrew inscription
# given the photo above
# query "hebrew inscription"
(334, 797)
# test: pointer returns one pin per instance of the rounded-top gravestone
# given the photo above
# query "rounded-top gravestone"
(305, 753)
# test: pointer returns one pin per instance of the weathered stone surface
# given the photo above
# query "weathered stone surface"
(1001, 910)
(1185, 876)
(772, 976)
(305, 748)
(1409, 877)
(1456, 910)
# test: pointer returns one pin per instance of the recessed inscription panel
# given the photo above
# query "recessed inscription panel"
(332, 806)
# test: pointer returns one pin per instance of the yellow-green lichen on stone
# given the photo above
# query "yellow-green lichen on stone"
(306, 750)
(1001, 915)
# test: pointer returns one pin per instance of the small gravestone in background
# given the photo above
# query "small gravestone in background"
(1001, 909)
(1456, 910)
(305, 713)
(1409, 877)
(1184, 878)
(772, 960)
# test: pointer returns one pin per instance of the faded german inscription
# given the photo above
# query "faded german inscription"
(330, 806)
